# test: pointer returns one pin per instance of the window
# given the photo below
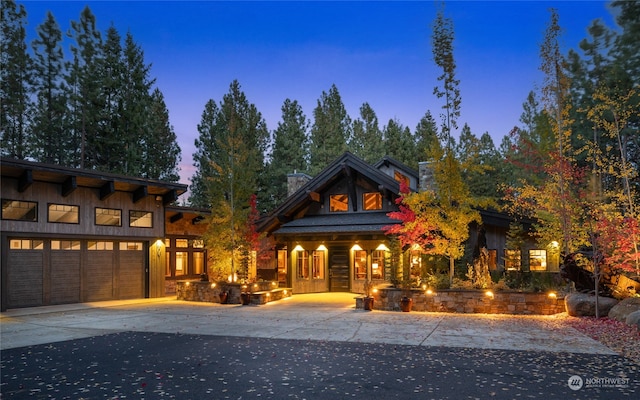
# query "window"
(317, 266)
(63, 214)
(401, 177)
(136, 246)
(26, 244)
(20, 210)
(108, 217)
(493, 257)
(282, 267)
(512, 260)
(302, 264)
(99, 246)
(182, 243)
(198, 262)
(372, 201)
(65, 245)
(339, 203)
(360, 264)
(537, 260)
(182, 262)
(377, 264)
(141, 219)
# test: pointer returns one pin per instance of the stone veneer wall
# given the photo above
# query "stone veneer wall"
(203, 291)
(470, 301)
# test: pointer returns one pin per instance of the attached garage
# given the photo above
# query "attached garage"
(71, 235)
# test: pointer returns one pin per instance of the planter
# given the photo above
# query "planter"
(224, 297)
(245, 298)
(368, 303)
(406, 303)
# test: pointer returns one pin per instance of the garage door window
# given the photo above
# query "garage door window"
(100, 245)
(26, 244)
(65, 245)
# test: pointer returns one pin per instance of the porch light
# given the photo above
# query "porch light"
(298, 248)
(382, 247)
(322, 247)
(356, 247)
(489, 294)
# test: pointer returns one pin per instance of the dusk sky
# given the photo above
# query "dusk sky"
(375, 52)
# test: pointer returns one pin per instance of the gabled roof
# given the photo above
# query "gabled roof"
(27, 172)
(386, 161)
(346, 165)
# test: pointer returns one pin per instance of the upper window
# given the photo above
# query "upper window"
(64, 214)
(372, 201)
(108, 216)
(401, 177)
(537, 260)
(141, 219)
(339, 203)
(19, 210)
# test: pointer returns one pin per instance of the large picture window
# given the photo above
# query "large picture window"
(372, 201)
(339, 203)
(317, 265)
(108, 217)
(302, 261)
(63, 214)
(20, 210)
(141, 219)
(537, 260)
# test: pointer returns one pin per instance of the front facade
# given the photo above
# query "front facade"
(329, 233)
(71, 235)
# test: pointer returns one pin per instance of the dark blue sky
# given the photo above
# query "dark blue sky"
(375, 52)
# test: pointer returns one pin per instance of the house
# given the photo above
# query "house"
(329, 234)
(72, 235)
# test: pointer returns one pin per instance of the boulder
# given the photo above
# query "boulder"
(620, 311)
(584, 305)
(633, 319)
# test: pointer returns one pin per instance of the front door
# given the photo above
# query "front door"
(339, 270)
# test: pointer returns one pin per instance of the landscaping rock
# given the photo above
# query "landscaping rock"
(584, 305)
(633, 319)
(625, 307)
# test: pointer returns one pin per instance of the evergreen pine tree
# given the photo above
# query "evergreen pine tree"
(367, 142)
(161, 152)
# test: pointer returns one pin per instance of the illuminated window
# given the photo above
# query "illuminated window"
(372, 201)
(182, 243)
(198, 262)
(401, 177)
(377, 264)
(360, 264)
(108, 217)
(167, 270)
(63, 214)
(512, 260)
(537, 260)
(19, 210)
(135, 246)
(26, 244)
(317, 265)
(493, 257)
(282, 266)
(339, 203)
(182, 261)
(141, 219)
(302, 264)
(65, 245)
(94, 246)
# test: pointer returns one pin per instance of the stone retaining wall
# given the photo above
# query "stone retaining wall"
(470, 301)
(207, 291)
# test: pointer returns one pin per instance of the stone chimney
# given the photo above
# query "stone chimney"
(295, 181)
(426, 180)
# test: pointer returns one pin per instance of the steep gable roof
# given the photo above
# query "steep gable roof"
(347, 165)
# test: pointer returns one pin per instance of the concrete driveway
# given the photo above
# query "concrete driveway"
(324, 317)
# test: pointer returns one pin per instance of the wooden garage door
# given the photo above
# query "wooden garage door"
(25, 273)
(99, 271)
(131, 271)
(65, 261)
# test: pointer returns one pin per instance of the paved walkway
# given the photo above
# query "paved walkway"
(327, 316)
